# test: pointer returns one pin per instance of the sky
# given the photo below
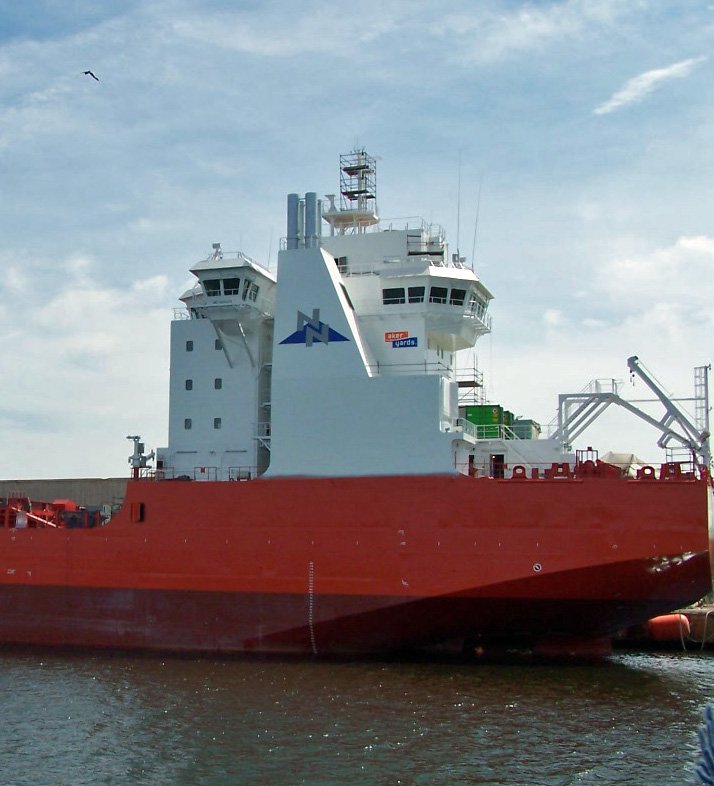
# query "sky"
(566, 146)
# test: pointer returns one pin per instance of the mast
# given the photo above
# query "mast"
(358, 195)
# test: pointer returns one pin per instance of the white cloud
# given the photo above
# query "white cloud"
(680, 273)
(484, 32)
(15, 281)
(322, 30)
(90, 365)
(553, 317)
(590, 322)
(635, 89)
(488, 35)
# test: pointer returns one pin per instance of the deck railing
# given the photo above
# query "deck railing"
(485, 431)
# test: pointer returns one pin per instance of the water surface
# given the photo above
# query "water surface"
(92, 718)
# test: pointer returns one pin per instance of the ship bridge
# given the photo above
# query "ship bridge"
(404, 287)
(231, 282)
(237, 294)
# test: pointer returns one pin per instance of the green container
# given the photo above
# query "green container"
(488, 418)
(526, 429)
(484, 414)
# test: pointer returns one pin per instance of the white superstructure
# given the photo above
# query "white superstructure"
(221, 346)
(349, 365)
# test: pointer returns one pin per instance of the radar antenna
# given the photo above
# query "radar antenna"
(137, 459)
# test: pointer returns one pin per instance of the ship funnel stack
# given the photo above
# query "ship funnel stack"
(304, 221)
(294, 222)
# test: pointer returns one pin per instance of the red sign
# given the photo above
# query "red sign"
(395, 335)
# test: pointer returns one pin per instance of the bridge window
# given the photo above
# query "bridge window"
(253, 292)
(212, 287)
(231, 286)
(457, 297)
(391, 297)
(438, 294)
(416, 294)
(477, 306)
(189, 384)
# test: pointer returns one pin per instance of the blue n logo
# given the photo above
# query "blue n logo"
(312, 329)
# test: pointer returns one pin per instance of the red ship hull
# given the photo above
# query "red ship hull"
(359, 565)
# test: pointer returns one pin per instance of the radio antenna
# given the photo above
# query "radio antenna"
(478, 210)
(458, 209)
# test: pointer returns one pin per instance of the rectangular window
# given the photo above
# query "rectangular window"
(217, 344)
(457, 297)
(212, 287)
(246, 288)
(187, 424)
(416, 294)
(391, 297)
(438, 294)
(216, 422)
(253, 294)
(217, 383)
(231, 286)
(189, 346)
(477, 306)
(189, 384)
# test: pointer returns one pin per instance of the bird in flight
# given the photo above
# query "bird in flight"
(89, 73)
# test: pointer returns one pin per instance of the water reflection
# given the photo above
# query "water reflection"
(88, 719)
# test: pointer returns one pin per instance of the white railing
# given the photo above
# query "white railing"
(372, 306)
(486, 431)
(403, 264)
(240, 258)
(387, 265)
(242, 473)
(412, 369)
(201, 473)
(201, 301)
(434, 232)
